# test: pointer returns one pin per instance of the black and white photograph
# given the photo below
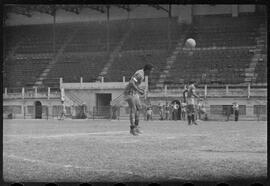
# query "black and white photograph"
(134, 93)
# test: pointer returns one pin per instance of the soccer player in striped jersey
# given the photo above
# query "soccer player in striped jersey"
(132, 92)
(190, 96)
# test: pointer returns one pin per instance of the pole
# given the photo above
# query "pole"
(49, 92)
(54, 43)
(248, 90)
(169, 27)
(108, 29)
(23, 92)
(205, 91)
(61, 81)
(35, 92)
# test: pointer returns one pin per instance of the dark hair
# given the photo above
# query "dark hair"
(148, 66)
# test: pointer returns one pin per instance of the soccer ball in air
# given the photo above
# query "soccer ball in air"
(190, 43)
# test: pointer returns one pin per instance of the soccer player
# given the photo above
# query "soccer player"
(190, 96)
(132, 92)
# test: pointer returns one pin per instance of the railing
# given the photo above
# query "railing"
(216, 91)
(102, 112)
(12, 93)
(74, 98)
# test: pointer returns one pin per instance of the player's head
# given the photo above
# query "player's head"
(192, 82)
(148, 68)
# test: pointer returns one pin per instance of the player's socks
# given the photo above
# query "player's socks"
(137, 130)
(131, 120)
(193, 119)
(132, 130)
(189, 119)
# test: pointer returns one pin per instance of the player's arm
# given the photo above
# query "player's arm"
(194, 94)
(132, 82)
(184, 95)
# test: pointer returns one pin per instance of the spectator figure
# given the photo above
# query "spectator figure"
(149, 113)
(63, 111)
(175, 111)
(183, 110)
(236, 111)
(73, 111)
(161, 111)
(167, 111)
(228, 112)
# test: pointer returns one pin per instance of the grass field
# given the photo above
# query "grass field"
(102, 150)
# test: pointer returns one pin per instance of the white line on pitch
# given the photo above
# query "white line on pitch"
(66, 135)
(12, 156)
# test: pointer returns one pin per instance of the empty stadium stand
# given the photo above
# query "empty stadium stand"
(39, 38)
(127, 62)
(149, 34)
(24, 71)
(72, 67)
(261, 70)
(228, 31)
(222, 53)
(92, 37)
(210, 66)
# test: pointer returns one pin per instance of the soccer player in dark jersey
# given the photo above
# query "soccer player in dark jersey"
(190, 96)
(132, 92)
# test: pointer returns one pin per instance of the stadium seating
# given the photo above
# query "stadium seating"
(92, 37)
(227, 31)
(33, 39)
(129, 62)
(261, 70)
(85, 54)
(23, 72)
(72, 67)
(210, 66)
(148, 34)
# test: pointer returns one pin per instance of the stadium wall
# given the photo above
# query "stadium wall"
(252, 101)
(19, 108)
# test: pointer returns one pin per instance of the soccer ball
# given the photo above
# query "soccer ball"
(190, 43)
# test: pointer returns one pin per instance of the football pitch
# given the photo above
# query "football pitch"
(103, 150)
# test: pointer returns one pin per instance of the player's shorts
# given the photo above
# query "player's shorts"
(191, 101)
(190, 108)
(202, 110)
(133, 101)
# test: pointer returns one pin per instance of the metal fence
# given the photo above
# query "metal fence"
(214, 112)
